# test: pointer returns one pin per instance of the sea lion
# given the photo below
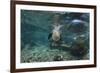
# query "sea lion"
(55, 35)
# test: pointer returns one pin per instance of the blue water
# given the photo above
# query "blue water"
(37, 28)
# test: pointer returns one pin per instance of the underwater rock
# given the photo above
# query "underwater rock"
(78, 48)
(58, 58)
(65, 45)
(77, 26)
(85, 17)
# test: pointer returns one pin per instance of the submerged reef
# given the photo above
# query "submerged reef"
(48, 36)
(44, 54)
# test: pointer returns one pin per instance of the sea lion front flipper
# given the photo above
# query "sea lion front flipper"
(49, 36)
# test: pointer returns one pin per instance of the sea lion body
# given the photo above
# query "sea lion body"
(56, 36)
